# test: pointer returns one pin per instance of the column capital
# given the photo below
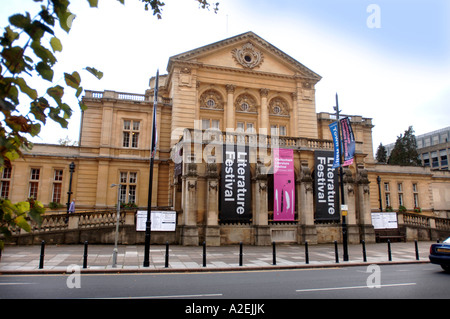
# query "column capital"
(230, 88)
(264, 92)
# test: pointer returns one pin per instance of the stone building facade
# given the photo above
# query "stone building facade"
(242, 93)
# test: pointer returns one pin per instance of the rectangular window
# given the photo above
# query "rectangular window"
(34, 183)
(416, 195)
(279, 130)
(57, 185)
(444, 159)
(128, 187)
(210, 123)
(387, 195)
(130, 135)
(400, 194)
(5, 182)
(434, 159)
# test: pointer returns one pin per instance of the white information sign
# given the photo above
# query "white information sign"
(384, 220)
(161, 220)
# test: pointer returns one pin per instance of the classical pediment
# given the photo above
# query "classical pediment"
(245, 52)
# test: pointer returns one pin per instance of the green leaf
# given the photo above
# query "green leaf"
(56, 93)
(36, 211)
(56, 44)
(14, 60)
(65, 20)
(20, 21)
(93, 3)
(98, 74)
(79, 91)
(44, 71)
(32, 93)
(73, 80)
(43, 53)
(38, 107)
(22, 223)
(9, 37)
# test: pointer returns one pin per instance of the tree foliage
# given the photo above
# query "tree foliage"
(381, 155)
(28, 47)
(405, 150)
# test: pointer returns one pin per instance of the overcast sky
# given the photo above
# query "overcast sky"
(396, 73)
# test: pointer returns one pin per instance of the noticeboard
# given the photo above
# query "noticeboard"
(384, 220)
(161, 220)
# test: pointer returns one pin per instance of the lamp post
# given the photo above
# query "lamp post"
(379, 192)
(114, 262)
(341, 177)
(71, 170)
(148, 223)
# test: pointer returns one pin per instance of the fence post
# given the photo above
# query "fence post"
(240, 254)
(417, 249)
(204, 254)
(306, 253)
(167, 255)
(41, 259)
(336, 252)
(85, 254)
(389, 250)
(274, 253)
(364, 250)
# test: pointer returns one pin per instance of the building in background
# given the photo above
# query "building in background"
(433, 148)
(224, 112)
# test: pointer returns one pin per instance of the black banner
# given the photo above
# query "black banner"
(326, 187)
(235, 183)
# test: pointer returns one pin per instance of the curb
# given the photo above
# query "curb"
(205, 269)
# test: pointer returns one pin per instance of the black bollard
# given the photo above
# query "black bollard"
(41, 259)
(274, 253)
(417, 249)
(336, 252)
(167, 255)
(306, 253)
(85, 254)
(204, 254)
(364, 250)
(389, 250)
(240, 254)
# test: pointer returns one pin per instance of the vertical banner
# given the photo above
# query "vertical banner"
(348, 141)
(326, 188)
(283, 185)
(235, 183)
(335, 134)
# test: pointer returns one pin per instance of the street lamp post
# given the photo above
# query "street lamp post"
(341, 177)
(379, 192)
(114, 262)
(69, 193)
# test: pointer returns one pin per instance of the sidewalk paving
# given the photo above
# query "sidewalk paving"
(58, 258)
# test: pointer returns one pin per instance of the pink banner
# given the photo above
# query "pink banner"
(283, 185)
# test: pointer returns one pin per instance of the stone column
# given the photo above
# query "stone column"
(260, 210)
(304, 185)
(264, 117)
(212, 231)
(189, 231)
(350, 201)
(230, 108)
(363, 200)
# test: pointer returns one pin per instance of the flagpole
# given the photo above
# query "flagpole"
(148, 224)
(341, 174)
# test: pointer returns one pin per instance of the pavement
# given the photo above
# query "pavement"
(69, 258)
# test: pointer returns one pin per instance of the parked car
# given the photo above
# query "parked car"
(440, 254)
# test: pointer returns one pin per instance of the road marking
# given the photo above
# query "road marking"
(164, 297)
(354, 287)
(16, 283)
